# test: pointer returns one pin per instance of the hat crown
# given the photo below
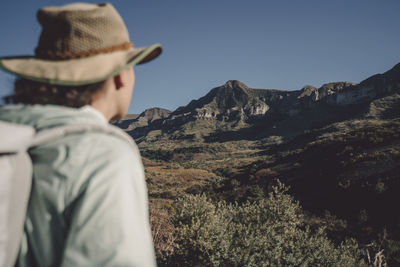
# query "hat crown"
(79, 44)
(80, 30)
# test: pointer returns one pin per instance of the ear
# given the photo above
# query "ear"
(119, 81)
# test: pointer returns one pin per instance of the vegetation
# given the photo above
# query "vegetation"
(215, 199)
(269, 232)
(356, 160)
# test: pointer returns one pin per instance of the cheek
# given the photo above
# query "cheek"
(133, 78)
(129, 96)
(132, 84)
(128, 90)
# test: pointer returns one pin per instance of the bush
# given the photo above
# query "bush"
(268, 232)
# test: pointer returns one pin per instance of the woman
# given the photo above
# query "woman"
(88, 204)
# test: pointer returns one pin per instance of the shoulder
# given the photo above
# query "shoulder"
(91, 140)
(109, 162)
(106, 147)
(76, 159)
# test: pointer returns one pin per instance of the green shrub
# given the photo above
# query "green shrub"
(255, 193)
(268, 232)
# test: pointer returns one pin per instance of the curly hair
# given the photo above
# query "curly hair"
(32, 92)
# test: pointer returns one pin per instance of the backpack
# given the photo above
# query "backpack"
(16, 176)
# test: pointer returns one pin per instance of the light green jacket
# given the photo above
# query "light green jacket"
(88, 205)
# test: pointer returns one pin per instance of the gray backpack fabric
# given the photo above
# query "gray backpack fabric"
(16, 176)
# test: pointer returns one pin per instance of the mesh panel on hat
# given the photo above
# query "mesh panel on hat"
(81, 30)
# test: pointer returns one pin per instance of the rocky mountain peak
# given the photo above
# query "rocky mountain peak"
(155, 113)
(232, 93)
(235, 84)
(307, 90)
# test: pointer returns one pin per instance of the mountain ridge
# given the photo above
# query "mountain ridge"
(234, 105)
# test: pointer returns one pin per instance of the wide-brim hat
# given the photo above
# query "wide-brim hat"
(79, 44)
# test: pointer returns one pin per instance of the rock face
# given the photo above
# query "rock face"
(236, 105)
(231, 102)
(373, 87)
(133, 121)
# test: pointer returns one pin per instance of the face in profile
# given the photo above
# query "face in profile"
(125, 93)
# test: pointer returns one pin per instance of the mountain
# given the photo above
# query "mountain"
(234, 107)
(337, 147)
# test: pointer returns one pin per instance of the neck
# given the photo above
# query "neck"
(103, 101)
(105, 108)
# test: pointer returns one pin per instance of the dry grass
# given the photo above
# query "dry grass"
(162, 230)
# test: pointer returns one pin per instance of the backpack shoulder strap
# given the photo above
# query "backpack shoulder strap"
(15, 186)
(15, 137)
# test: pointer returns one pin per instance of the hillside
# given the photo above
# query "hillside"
(337, 146)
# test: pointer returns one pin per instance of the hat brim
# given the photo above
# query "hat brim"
(81, 71)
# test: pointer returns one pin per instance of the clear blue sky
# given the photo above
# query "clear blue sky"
(265, 44)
